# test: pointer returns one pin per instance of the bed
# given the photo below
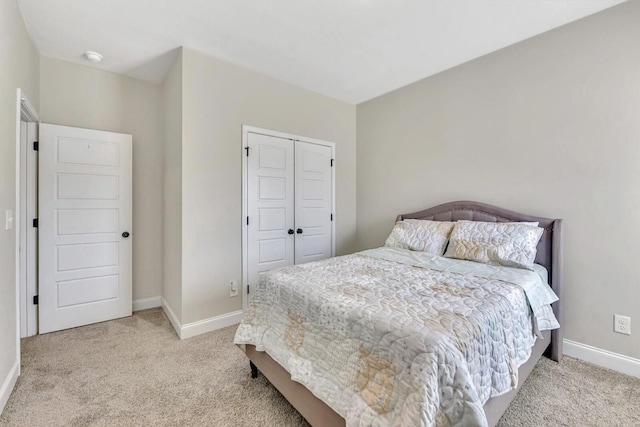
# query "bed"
(387, 377)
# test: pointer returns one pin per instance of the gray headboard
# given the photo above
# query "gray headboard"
(549, 248)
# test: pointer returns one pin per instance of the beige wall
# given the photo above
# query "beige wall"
(74, 95)
(19, 68)
(172, 187)
(218, 98)
(550, 127)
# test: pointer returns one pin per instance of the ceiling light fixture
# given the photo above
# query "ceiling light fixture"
(93, 56)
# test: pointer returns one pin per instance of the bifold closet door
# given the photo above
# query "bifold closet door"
(313, 202)
(270, 191)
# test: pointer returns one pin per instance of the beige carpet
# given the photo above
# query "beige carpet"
(135, 371)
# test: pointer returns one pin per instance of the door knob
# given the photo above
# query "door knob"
(290, 231)
(299, 231)
(125, 234)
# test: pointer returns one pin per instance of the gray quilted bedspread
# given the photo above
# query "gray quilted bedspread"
(387, 343)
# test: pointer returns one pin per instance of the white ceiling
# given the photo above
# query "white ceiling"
(352, 50)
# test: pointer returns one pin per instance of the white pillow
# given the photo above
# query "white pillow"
(498, 243)
(420, 235)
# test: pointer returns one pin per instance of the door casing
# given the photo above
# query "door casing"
(26, 238)
(246, 130)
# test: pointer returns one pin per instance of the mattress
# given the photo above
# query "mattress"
(392, 337)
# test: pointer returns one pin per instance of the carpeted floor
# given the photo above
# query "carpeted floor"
(135, 371)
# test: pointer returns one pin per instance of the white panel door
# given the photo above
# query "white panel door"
(270, 199)
(314, 199)
(84, 227)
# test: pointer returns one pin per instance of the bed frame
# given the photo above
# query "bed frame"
(549, 254)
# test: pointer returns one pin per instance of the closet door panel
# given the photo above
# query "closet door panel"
(270, 204)
(313, 202)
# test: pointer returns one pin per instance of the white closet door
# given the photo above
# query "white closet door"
(270, 204)
(84, 224)
(313, 206)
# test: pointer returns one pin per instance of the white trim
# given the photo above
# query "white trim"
(23, 107)
(26, 286)
(28, 111)
(16, 230)
(617, 362)
(286, 135)
(22, 233)
(201, 326)
(147, 303)
(208, 325)
(171, 316)
(28, 234)
(245, 170)
(245, 235)
(33, 129)
(8, 384)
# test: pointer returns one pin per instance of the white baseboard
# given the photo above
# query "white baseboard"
(189, 330)
(172, 316)
(8, 384)
(147, 303)
(211, 324)
(617, 362)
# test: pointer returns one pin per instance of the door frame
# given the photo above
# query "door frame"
(246, 130)
(26, 314)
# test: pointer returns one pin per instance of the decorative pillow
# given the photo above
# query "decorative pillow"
(420, 235)
(498, 243)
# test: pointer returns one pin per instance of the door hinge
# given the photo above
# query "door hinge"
(331, 217)
(35, 145)
(35, 222)
(35, 300)
(247, 288)
(247, 148)
(331, 162)
(247, 220)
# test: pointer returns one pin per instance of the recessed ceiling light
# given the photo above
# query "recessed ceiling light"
(93, 56)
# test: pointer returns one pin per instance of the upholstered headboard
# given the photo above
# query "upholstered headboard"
(549, 248)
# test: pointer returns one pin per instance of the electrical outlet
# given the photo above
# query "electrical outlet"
(622, 324)
(233, 288)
